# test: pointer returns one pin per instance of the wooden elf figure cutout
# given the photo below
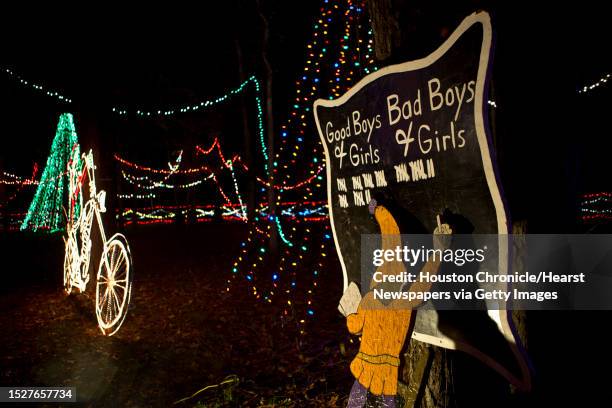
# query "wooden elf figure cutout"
(384, 327)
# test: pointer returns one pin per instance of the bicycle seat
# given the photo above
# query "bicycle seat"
(102, 201)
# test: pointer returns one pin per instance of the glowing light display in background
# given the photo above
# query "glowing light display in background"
(16, 186)
(159, 179)
(300, 157)
(338, 55)
(150, 179)
(297, 168)
(596, 207)
(314, 211)
(11, 179)
(145, 180)
(37, 87)
(208, 104)
(18, 183)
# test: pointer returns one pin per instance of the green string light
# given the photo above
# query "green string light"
(210, 103)
(281, 234)
(46, 210)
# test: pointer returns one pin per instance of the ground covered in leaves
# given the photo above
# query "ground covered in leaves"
(183, 334)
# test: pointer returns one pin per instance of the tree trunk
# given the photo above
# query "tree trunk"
(248, 145)
(269, 129)
(385, 27)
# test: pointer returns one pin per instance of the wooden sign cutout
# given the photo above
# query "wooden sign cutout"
(415, 132)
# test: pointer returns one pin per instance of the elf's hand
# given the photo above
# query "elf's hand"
(442, 236)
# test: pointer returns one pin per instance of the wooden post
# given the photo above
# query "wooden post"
(248, 145)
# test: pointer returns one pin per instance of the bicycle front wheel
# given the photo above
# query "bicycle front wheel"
(114, 285)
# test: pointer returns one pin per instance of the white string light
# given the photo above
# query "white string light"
(237, 191)
(600, 82)
(40, 88)
(151, 184)
(190, 108)
(137, 196)
(185, 108)
(12, 179)
(596, 206)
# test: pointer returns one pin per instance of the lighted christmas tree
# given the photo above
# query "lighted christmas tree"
(46, 210)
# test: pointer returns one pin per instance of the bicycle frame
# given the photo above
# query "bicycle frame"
(83, 224)
(114, 278)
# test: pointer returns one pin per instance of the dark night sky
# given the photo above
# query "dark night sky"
(155, 56)
(148, 58)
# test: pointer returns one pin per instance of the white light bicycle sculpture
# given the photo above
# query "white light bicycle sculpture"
(114, 279)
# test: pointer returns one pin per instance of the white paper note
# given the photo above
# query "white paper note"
(350, 300)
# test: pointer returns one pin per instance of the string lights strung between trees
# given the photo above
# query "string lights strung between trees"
(11, 219)
(300, 156)
(602, 81)
(296, 171)
(146, 180)
(298, 163)
(59, 96)
(596, 207)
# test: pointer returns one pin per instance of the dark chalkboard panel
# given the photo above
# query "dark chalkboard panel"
(414, 135)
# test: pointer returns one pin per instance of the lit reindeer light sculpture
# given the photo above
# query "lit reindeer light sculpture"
(114, 278)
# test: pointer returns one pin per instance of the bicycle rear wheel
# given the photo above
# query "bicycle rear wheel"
(114, 285)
